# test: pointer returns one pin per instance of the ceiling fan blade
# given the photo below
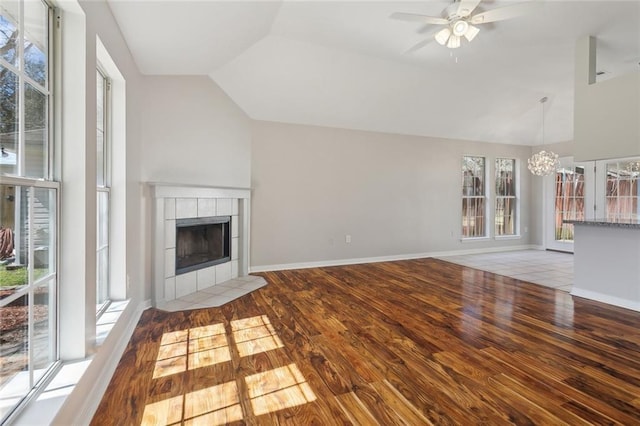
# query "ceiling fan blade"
(414, 17)
(503, 13)
(418, 46)
(466, 7)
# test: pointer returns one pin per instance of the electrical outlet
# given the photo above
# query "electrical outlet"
(347, 239)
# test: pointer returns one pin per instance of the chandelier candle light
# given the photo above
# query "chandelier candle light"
(544, 162)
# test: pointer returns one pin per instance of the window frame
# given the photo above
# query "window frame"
(486, 196)
(104, 188)
(23, 79)
(634, 178)
(20, 179)
(515, 197)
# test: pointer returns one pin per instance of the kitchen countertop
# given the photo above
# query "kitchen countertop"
(611, 223)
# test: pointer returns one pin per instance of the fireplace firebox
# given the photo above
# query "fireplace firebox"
(202, 242)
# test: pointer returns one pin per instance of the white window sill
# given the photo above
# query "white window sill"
(474, 239)
(44, 407)
(507, 237)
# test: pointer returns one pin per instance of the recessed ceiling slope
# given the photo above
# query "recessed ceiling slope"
(303, 83)
(342, 64)
(190, 37)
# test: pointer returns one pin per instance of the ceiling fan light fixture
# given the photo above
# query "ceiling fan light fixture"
(454, 42)
(471, 33)
(442, 36)
(460, 19)
(460, 28)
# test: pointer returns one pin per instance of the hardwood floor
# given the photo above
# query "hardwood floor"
(397, 343)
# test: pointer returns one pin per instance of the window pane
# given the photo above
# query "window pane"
(101, 148)
(9, 120)
(20, 235)
(100, 100)
(13, 239)
(13, 279)
(7, 228)
(14, 353)
(44, 353)
(473, 217)
(35, 43)
(44, 232)
(505, 182)
(35, 133)
(9, 31)
(102, 273)
(103, 218)
(473, 176)
(622, 190)
(102, 294)
(569, 202)
(505, 216)
(101, 180)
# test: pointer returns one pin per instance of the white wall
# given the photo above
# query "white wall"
(395, 195)
(606, 114)
(194, 134)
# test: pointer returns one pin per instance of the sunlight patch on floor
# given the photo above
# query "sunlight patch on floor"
(254, 335)
(277, 389)
(191, 349)
(198, 347)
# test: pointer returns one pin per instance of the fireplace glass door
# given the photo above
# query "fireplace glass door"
(202, 242)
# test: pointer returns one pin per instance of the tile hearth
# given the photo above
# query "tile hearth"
(217, 295)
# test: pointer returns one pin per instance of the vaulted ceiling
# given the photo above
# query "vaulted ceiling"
(345, 64)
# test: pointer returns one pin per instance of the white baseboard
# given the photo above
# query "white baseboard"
(83, 401)
(356, 261)
(605, 298)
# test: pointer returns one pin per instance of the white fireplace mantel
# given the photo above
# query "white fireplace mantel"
(169, 190)
(178, 201)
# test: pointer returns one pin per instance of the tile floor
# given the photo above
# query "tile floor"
(216, 295)
(547, 268)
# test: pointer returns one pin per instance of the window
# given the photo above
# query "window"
(569, 200)
(28, 204)
(506, 202)
(103, 177)
(622, 190)
(473, 197)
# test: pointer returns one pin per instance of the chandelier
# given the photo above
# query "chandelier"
(544, 162)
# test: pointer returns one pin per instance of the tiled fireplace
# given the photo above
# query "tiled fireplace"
(176, 204)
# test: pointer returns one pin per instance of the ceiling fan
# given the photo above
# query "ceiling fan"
(460, 20)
